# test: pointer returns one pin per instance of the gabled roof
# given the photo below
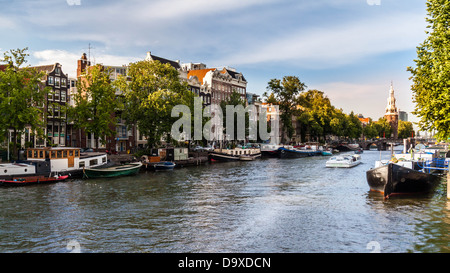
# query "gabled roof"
(174, 64)
(233, 74)
(200, 73)
(45, 68)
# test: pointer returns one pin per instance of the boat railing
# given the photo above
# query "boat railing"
(440, 164)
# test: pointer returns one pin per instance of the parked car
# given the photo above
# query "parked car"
(197, 148)
(208, 148)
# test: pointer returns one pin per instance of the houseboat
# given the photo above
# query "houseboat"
(270, 150)
(52, 160)
(233, 154)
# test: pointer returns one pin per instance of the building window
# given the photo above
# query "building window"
(57, 95)
(57, 111)
(50, 111)
(57, 71)
(51, 80)
(63, 82)
(57, 82)
(63, 96)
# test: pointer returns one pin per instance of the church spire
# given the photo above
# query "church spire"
(391, 109)
(392, 113)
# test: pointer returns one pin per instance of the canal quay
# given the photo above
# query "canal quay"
(267, 205)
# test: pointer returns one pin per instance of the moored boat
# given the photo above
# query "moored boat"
(227, 155)
(164, 165)
(61, 160)
(113, 171)
(290, 152)
(31, 180)
(270, 150)
(394, 179)
(344, 161)
(249, 157)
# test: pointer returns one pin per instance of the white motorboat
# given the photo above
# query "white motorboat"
(344, 161)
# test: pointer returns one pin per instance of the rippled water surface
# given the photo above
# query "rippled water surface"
(269, 205)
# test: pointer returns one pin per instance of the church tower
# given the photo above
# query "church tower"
(391, 114)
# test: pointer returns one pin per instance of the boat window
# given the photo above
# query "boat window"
(53, 154)
(103, 159)
(59, 154)
(30, 153)
(35, 154)
(93, 162)
(81, 164)
(64, 153)
(76, 152)
(71, 153)
(47, 154)
(41, 154)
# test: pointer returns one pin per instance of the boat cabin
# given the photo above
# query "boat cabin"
(238, 151)
(66, 158)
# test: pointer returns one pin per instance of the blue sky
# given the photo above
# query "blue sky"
(350, 49)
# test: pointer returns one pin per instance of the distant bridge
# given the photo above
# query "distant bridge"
(385, 143)
(380, 144)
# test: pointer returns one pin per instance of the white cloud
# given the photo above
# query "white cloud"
(338, 45)
(182, 9)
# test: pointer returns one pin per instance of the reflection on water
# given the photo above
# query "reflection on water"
(270, 205)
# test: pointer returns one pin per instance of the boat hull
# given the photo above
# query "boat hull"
(125, 170)
(32, 180)
(287, 153)
(164, 166)
(393, 179)
(342, 165)
(249, 157)
(270, 153)
(213, 156)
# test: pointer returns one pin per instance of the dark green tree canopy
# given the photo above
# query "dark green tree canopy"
(431, 75)
(22, 96)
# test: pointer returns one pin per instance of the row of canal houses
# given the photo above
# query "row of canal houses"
(211, 84)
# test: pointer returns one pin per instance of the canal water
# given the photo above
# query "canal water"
(268, 205)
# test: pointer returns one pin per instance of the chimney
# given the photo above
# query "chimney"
(149, 56)
(83, 63)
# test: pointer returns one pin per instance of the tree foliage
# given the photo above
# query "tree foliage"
(22, 96)
(405, 129)
(150, 94)
(431, 75)
(286, 92)
(233, 100)
(95, 104)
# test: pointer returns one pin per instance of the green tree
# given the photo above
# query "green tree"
(316, 113)
(431, 76)
(150, 94)
(286, 93)
(383, 127)
(21, 96)
(233, 100)
(405, 129)
(354, 129)
(95, 104)
(369, 131)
